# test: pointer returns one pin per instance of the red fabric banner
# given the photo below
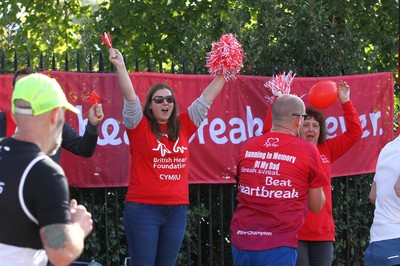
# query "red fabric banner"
(236, 115)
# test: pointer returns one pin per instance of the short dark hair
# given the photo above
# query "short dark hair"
(22, 71)
(320, 118)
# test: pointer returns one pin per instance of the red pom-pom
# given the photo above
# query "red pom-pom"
(323, 94)
(280, 84)
(94, 98)
(226, 57)
(106, 38)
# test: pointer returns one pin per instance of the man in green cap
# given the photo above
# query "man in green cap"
(38, 222)
(84, 146)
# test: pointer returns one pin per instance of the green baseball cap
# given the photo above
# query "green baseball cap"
(42, 93)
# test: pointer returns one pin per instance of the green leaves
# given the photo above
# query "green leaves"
(317, 38)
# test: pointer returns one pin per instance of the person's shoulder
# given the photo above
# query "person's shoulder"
(254, 139)
(390, 148)
(49, 168)
(67, 126)
(23, 147)
(68, 132)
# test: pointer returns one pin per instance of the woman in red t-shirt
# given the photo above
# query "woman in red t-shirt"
(156, 204)
(317, 234)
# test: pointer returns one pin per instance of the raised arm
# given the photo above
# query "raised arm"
(214, 88)
(343, 91)
(64, 242)
(199, 108)
(85, 145)
(125, 84)
(342, 143)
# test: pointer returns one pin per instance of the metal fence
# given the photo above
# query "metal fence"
(212, 205)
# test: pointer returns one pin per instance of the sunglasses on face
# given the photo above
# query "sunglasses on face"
(160, 99)
(302, 115)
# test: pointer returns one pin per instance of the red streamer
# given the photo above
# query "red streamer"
(226, 57)
(94, 98)
(106, 38)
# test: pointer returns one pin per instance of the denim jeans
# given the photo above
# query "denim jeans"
(385, 252)
(280, 256)
(154, 233)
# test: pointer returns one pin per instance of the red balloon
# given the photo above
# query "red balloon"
(323, 94)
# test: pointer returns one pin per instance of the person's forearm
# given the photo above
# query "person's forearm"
(214, 88)
(125, 84)
(316, 199)
(63, 243)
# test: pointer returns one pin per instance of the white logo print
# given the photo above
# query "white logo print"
(164, 150)
(2, 184)
(180, 149)
(272, 142)
(324, 159)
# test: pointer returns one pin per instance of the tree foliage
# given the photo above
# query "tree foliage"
(314, 38)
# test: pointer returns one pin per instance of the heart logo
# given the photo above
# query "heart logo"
(272, 142)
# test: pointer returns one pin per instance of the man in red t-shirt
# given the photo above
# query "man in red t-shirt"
(279, 174)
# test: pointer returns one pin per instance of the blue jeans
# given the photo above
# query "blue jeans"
(281, 256)
(154, 233)
(385, 252)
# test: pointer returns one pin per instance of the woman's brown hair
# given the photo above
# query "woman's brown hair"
(173, 124)
(320, 118)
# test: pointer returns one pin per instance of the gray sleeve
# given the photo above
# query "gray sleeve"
(132, 113)
(198, 110)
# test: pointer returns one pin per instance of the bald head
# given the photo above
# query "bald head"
(286, 113)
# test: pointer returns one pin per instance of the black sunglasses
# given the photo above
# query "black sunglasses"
(303, 115)
(160, 99)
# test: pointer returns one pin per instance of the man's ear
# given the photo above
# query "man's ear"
(54, 115)
(299, 119)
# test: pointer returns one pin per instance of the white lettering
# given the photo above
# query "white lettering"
(218, 127)
(260, 233)
(169, 166)
(284, 157)
(264, 192)
(255, 154)
(170, 177)
(237, 130)
(247, 170)
(240, 130)
(270, 181)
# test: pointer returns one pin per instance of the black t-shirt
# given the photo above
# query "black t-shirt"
(3, 124)
(45, 193)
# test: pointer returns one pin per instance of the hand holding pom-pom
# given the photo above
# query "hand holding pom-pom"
(280, 84)
(226, 57)
(94, 101)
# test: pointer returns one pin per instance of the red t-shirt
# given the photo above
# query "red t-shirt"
(320, 226)
(275, 172)
(159, 168)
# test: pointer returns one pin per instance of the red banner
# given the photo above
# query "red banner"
(236, 115)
